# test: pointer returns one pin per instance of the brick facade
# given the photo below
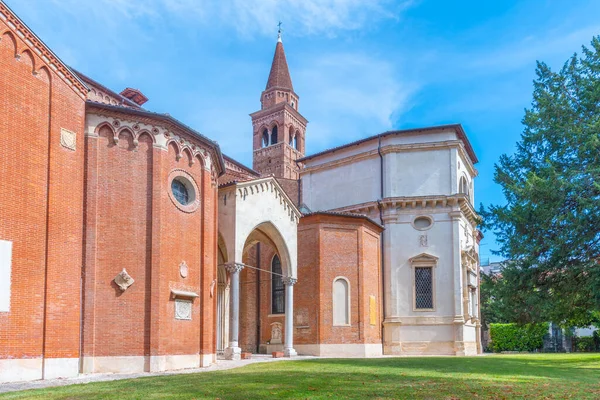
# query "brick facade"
(41, 199)
(332, 246)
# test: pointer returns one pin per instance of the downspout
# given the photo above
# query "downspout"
(382, 251)
(258, 325)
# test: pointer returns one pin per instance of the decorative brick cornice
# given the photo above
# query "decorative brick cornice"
(184, 136)
(39, 48)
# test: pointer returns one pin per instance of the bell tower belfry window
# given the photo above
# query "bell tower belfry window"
(278, 128)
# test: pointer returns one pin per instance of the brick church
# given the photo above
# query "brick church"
(129, 242)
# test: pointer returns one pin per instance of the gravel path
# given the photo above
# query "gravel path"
(87, 378)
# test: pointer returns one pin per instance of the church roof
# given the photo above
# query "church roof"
(280, 74)
(456, 127)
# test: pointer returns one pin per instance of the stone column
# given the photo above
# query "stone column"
(288, 349)
(233, 352)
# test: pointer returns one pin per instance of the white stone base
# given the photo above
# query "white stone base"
(123, 364)
(233, 353)
(340, 350)
(173, 362)
(23, 369)
(273, 347)
(206, 360)
(136, 364)
(61, 368)
(289, 352)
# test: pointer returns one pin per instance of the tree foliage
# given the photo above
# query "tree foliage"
(550, 227)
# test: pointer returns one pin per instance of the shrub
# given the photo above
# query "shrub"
(585, 344)
(513, 337)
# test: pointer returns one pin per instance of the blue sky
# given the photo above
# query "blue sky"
(359, 67)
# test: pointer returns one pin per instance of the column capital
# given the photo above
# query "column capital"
(288, 281)
(234, 268)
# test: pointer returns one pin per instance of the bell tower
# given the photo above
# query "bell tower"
(278, 128)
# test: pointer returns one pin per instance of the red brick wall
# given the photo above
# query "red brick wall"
(40, 204)
(138, 227)
(330, 247)
(123, 194)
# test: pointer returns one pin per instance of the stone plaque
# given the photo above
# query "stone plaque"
(183, 269)
(183, 309)
(67, 139)
(123, 280)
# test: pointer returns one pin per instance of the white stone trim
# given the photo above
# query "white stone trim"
(183, 294)
(20, 369)
(174, 362)
(357, 350)
(114, 364)
(61, 368)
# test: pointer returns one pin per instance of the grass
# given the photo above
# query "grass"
(545, 376)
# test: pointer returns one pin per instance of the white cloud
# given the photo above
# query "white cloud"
(250, 17)
(354, 95)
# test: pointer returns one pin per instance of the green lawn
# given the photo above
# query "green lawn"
(504, 376)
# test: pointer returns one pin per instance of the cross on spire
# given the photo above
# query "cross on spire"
(279, 32)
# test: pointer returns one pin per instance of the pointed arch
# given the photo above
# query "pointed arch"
(188, 153)
(173, 148)
(44, 74)
(28, 58)
(8, 38)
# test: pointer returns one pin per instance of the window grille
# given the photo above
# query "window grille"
(423, 288)
(277, 288)
(180, 192)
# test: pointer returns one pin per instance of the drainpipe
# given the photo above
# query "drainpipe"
(380, 206)
(258, 298)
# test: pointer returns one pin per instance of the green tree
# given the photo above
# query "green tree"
(550, 226)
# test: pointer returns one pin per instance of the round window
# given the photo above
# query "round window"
(184, 192)
(422, 223)
(180, 192)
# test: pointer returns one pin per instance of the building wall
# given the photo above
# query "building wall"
(40, 209)
(421, 174)
(134, 222)
(335, 247)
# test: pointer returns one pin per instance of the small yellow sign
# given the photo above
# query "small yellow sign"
(373, 310)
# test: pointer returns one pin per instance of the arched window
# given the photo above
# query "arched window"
(265, 138)
(464, 187)
(296, 144)
(277, 287)
(291, 135)
(341, 302)
(274, 135)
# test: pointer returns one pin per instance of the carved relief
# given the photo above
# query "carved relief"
(67, 139)
(183, 269)
(423, 241)
(123, 280)
(183, 309)
(276, 333)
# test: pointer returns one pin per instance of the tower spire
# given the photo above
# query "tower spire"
(279, 76)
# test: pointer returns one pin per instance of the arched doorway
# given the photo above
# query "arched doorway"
(257, 215)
